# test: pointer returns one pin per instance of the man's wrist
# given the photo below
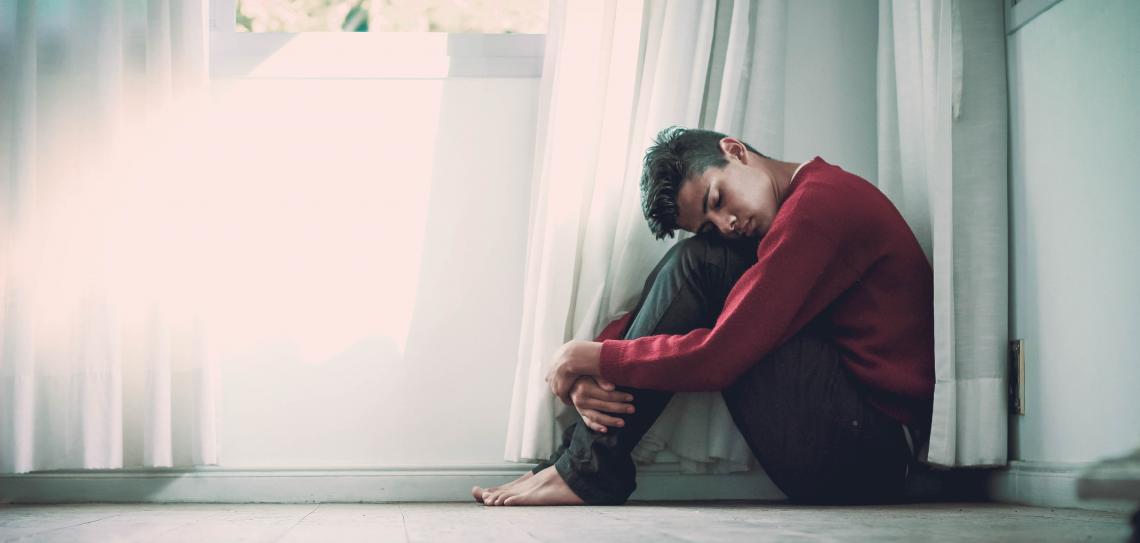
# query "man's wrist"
(589, 356)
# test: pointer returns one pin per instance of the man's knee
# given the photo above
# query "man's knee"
(701, 253)
(692, 255)
(715, 257)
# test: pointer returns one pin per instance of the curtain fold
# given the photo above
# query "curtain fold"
(615, 74)
(942, 161)
(102, 356)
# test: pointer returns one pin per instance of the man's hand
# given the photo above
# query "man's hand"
(573, 360)
(592, 396)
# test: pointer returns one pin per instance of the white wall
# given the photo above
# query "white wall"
(1075, 189)
(326, 383)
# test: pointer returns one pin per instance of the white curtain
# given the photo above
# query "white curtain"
(615, 74)
(102, 353)
(942, 160)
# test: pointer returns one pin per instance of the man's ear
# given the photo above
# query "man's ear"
(733, 147)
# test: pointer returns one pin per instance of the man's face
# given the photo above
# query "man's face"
(737, 200)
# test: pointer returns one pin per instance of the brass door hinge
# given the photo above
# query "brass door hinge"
(1017, 376)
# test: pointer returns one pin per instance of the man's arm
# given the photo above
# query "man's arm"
(800, 271)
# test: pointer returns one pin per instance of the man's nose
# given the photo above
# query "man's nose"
(727, 224)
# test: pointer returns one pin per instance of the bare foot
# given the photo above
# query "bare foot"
(479, 492)
(545, 488)
(497, 495)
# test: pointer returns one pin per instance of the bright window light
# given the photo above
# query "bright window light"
(453, 16)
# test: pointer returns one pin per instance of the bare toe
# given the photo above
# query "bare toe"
(548, 488)
(491, 496)
(514, 491)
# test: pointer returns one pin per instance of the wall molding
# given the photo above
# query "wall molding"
(1046, 484)
(366, 484)
(1043, 484)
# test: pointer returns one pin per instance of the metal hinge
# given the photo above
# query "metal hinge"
(1017, 376)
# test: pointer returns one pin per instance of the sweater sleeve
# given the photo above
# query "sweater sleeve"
(799, 272)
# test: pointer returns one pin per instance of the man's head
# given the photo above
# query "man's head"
(700, 181)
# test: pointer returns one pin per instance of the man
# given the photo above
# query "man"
(805, 298)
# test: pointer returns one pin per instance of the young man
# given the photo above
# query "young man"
(805, 298)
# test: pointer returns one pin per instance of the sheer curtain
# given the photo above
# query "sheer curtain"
(615, 74)
(102, 353)
(942, 161)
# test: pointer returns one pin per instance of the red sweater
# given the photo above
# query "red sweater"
(838, 257)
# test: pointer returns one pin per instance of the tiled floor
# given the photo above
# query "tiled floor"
(641, 522)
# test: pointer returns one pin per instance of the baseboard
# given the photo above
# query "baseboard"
(1028, 483)
(1046, 484)
(388, 484)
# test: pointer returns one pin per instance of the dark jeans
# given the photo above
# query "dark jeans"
(804, 417)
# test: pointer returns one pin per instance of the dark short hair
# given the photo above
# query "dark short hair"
(676, 156)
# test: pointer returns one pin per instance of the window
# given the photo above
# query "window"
(377, 39)
(474, 16)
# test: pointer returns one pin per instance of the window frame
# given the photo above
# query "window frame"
(367, 55)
